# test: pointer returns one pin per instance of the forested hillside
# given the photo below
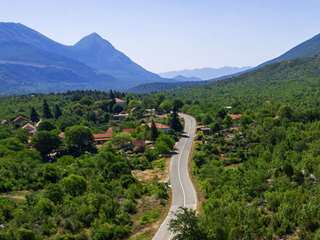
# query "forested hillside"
(257, 155)
(83, 165)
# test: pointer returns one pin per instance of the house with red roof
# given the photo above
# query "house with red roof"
(101, 138)
(20, 120)
(160, 126)
(235, 117)
(30, 128)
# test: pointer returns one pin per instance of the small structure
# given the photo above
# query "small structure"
(30, 128)
(120, 116)
(204, 129)
(61, 135)
(20, 120)
(138, 145)
(160, 126)
(235, 117)
(101, 138)
(3, 122)
(120, 102)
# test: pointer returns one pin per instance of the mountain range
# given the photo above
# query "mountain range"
(307, 49)
(200, 74)
(31, 62)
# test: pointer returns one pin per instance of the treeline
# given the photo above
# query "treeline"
(260, 174)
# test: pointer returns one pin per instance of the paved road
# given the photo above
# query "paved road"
(183, 191)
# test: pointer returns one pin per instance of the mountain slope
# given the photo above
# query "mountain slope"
(99, 54)
(205, 73)
(308, 48)
(93, 61)
(283, 81)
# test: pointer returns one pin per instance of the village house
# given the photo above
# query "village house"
(138, 145)
(120, 116)
(204, 129)
(160, 126)
(30, 128)
(235, 117)
(150, 112)
(101, 138)
(3, 122)
(20, 120)
(120, 102)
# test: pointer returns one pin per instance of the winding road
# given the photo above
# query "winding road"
(183, 191)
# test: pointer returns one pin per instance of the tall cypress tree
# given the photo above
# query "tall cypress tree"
(57, 112)
(154, 131)
(175, 123)
(34, 116)
(112, 95)
(46, 110)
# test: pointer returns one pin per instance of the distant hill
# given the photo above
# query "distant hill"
(92, 63)
(181, 78)
(99, 54)
(308, 48)
(287, 81)
(205, 73)
(163, 86)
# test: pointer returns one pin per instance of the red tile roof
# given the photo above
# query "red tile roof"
(19, 118)
(30, 128)
(104, 136)
(160, 126)
(235, 116)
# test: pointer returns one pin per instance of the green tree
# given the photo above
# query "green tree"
(45, 142)
(57, 112)
(111, 95)
(177, 105)
(34, 116)
(175, 123)
(286, 112)
(74, 185)
(122, 140)
(46, 125)
(185, 226)
(46, 112)
(25, 234)
(154, 131)
(79, 140)
(166, 106)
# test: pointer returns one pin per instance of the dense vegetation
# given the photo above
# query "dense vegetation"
(55, 186)
(259, 175)
(256, 160)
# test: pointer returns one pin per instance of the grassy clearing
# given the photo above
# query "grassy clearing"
(16, 196)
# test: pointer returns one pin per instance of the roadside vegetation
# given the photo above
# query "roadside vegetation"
(257, 155)
(68, 165)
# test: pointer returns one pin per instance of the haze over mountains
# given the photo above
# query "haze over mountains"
(31, 62)
(307, 49)
(203, 73)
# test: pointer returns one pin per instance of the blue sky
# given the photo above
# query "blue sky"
(164, 35)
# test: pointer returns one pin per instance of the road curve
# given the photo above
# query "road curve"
(183, 191)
